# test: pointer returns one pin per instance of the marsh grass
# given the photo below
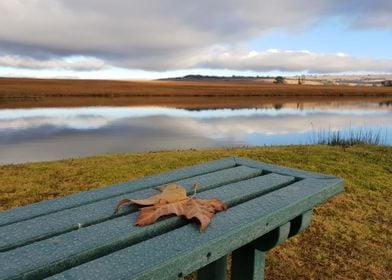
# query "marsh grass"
(350, 236)
(25, 93)
(349, 137)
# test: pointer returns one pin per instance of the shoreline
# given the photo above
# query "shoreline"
(183, 102)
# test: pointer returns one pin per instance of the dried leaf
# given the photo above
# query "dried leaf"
(173, 200)
(121, 203)
(201, 209)
(169, 193)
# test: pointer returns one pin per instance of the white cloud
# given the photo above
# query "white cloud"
(227, 58)
(163, 35)
(291, 61)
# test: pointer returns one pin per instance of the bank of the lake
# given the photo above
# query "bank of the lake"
(350, 236)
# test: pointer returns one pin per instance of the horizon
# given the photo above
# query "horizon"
(310, 77)
(134, 41)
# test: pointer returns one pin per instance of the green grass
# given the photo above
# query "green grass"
(350, 236)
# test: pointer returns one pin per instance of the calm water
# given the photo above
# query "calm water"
(39, 134)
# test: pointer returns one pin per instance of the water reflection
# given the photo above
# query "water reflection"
(52, 133)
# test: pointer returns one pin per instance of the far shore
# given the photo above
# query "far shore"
(25, 93)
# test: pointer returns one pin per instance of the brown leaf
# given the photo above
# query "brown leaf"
(121, 203)
(201, 209)
(173, 200)
(169, 193)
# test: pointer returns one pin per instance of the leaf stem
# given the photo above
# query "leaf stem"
(195, 186)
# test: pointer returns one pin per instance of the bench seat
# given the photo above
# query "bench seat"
(80, 238)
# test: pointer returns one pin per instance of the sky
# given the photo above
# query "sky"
(126, 39)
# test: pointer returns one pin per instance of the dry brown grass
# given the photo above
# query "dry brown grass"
(20, 93)
(15, 87)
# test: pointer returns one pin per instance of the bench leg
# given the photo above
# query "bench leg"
(213, 271)
(300, 223)
(247, 263)
(273, 238)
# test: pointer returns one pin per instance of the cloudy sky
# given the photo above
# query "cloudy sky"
(126, 39)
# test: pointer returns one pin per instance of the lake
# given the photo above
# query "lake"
(40, 134)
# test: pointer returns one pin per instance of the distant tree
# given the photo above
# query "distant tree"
(278, 106)
(279, 80)
(387, 83)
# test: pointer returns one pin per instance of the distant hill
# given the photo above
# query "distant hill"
(348, 80)
(221, 78)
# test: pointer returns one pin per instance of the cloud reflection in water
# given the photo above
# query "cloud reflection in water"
(53, 133)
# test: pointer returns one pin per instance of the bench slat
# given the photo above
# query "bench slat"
(71, 219)
(228, 231)
(189, 250)
(45, 207)
(281, 169)
(52, 255)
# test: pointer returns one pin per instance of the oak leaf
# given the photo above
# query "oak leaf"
(173, 200)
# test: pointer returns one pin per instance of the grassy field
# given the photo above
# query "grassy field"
(19, 93)
(350, 236)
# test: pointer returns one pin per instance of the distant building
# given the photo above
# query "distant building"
(387, 83)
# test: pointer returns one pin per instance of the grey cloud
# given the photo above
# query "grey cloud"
(85, 64)
(162, 35)
(368, 14)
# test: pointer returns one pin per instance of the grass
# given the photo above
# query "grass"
(350, 236)
(22, 87)
(351, 137)
(22, 93)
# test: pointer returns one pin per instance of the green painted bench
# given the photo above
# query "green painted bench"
(79, 237)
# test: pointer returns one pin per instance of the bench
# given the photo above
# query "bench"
(79, 237)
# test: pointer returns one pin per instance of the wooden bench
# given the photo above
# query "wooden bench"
(79, 237)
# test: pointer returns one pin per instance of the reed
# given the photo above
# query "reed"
(349, 137)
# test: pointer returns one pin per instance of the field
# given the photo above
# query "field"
(350, 236)
(20, 93)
